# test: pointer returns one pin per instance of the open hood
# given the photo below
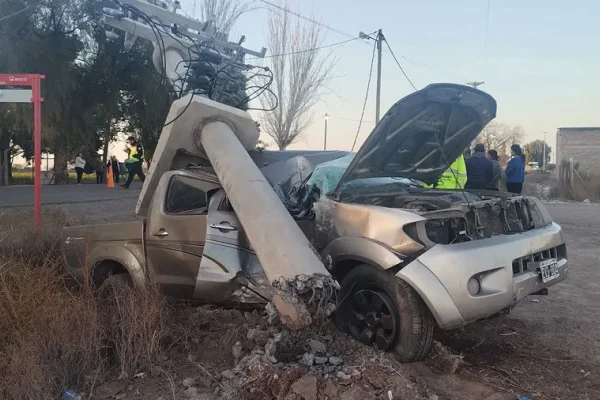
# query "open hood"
(422, 134)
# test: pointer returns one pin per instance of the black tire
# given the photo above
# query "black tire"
(114, 285)
(413, 323)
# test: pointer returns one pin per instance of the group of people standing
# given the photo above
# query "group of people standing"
(133, 165)
(483, 171)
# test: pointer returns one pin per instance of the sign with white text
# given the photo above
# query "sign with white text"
(15, 95)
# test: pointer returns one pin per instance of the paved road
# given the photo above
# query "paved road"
(22, 196)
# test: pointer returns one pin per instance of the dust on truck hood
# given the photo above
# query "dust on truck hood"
(422, 134)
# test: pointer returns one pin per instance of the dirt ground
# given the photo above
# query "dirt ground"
(547, 348)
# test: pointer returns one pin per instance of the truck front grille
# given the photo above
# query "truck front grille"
(525, 264)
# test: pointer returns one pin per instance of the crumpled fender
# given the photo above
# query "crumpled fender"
(359, 249)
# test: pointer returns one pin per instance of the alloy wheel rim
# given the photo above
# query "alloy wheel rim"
(371, 318)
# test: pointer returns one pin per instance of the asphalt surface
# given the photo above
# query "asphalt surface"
(22, 196)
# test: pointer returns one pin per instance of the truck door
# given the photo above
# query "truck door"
(176, 230)
(229, 270)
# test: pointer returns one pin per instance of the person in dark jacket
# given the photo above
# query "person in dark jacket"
(495, 182)
(100, 171)
(480, 170)
(515, 170)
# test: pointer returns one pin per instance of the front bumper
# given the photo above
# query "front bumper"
(441, 274)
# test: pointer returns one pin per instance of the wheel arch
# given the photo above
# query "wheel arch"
(341, 255)
(115, 258)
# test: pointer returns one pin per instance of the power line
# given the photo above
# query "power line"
(366, 95)
(287, 10)
(306, 50)
(415, 62)
(15, 13)
(398, 62)
(487, 28)
(348, 119)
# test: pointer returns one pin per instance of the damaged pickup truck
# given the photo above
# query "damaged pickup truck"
(407, 257)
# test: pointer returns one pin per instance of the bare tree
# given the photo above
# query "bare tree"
(299, 77)
(498, 136)
(223, 13)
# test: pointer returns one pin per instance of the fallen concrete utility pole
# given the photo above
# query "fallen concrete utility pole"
(223, 135)
(202, 128)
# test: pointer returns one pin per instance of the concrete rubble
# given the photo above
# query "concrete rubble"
(222, 135)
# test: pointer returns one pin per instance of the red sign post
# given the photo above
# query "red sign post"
(16, 83)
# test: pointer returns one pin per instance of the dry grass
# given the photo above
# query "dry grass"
(584, 186)
(54, 336)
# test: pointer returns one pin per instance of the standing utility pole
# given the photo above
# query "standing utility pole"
(325, 137)
(544, 159)
(379, 49)
(379, 39)
(474, 84)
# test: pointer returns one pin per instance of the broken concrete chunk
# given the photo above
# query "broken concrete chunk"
(335, 360)
(191, 393)
(292, 312)
(307, 359)
(306, 387)
(320, 360)
(236, 350)
(317, 347)
(330, 390)
(187, 382)
(228, 374)
(342, 375)
(269, 359)
(270, 347)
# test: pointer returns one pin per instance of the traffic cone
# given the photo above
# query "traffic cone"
(110, 183)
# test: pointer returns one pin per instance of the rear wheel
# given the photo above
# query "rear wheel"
(114, 285)
(379, 309)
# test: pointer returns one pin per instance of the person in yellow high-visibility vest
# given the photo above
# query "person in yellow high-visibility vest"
(135, 160)
(455, 177)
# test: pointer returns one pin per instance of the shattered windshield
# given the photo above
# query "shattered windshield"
(326, 177)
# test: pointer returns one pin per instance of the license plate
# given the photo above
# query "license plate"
(549, 270)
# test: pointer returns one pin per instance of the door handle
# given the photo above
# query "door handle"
(161, 233)
(224, 226)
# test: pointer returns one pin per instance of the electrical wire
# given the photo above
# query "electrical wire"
(487, 28)
(15, 13)
(366, 95)
(415, 62)
(287, 10)
(306, 50)
(400, 66)
(182, 111)
(347, 119)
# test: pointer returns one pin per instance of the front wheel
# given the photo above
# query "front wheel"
(379, 309)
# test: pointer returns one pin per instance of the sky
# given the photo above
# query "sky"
(540, 60)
